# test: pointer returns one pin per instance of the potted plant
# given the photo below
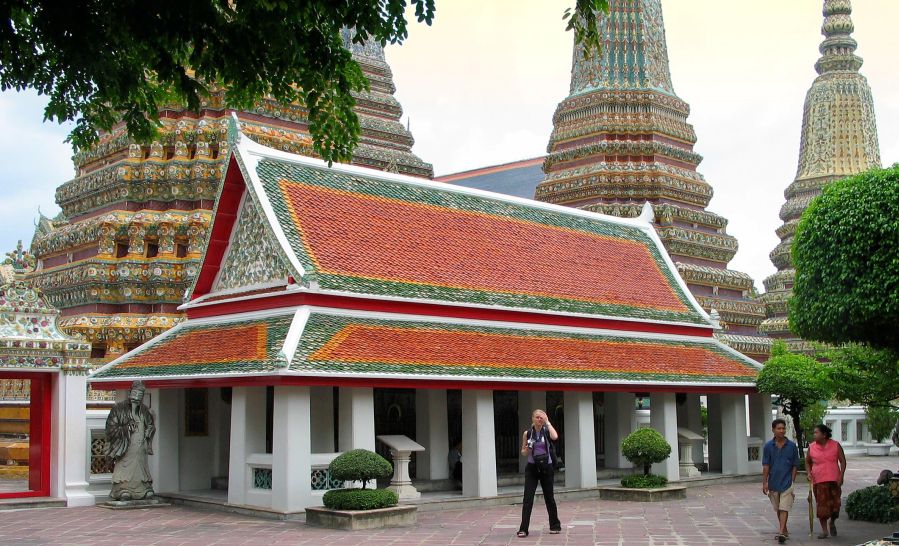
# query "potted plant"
(643, 447)
(360, 507)
(880, 421)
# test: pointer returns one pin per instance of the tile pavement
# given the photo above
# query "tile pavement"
(721, 514)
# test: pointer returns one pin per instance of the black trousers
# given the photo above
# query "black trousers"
(544, 475)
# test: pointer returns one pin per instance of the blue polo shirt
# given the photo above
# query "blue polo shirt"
(780, 464)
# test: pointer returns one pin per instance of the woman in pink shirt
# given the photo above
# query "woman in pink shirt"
(826, 465)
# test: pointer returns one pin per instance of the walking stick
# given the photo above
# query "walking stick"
(811, 508)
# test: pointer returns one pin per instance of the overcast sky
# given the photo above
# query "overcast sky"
(481, 84)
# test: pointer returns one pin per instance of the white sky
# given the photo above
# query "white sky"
(481, 84)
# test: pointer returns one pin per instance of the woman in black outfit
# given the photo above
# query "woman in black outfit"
(535, 444)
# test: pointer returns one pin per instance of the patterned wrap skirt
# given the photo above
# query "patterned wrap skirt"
(827, 497)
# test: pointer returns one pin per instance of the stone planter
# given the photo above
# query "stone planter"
(878, 450)
(355, 520)
(671, 492)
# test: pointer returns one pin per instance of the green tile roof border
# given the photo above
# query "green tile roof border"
(249, 156)
(313, 326)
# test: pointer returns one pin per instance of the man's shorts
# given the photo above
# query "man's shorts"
(782, 501)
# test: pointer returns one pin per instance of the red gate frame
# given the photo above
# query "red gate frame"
(40, 439)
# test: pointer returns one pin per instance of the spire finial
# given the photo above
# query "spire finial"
(838, 47)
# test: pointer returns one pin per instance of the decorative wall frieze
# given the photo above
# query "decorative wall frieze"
(619, 147)
(779, 281)
(712, 276)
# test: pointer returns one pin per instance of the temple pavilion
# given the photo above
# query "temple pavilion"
(323, 287)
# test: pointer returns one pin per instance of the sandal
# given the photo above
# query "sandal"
(522, 534)
(833, 528)
(555, 531)
(781, 538)
(822, 535)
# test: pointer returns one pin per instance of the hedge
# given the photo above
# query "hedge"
(359, 499)
(872, 504)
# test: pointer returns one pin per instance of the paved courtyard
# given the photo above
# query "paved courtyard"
(723, 514)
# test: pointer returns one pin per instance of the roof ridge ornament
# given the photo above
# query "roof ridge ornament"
(234, 132)
(838, 48)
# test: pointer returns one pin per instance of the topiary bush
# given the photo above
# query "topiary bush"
(359, 499)
(880, 421)
(644, 481)
(872, 504)
(360, 465)
(645, 446)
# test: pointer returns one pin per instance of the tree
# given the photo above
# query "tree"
(880, 421)
(799, 381)
(846, 254)
(645, 446)
(103, 62)
(360, 465)
(864, 375)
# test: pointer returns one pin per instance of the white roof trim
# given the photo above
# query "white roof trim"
(292, 340)
(239, 290)
(234, 228)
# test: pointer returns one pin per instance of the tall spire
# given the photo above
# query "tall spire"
(839, 139)
(621, 139)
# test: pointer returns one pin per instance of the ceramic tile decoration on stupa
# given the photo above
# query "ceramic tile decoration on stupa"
(839, 139)
(135, 219)
(621, 138)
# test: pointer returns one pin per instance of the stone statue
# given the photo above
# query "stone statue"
(129, 436)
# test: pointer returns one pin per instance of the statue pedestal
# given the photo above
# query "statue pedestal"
(401, 448)
(134, 504)
(685, 440)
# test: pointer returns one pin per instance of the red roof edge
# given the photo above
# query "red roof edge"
(233, 188)
(489, 169)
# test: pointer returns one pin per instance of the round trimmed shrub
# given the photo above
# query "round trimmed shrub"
(880, 421)
(645, 446)
(644, 481)
(360, 465)
(872, 504)
(359, 499)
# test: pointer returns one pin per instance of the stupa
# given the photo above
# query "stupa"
(839, 139)
(621, 138)
(135, 220)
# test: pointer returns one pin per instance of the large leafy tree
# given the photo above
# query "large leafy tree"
(798, 381)
(864, 375)
(846, 254)
(102, 62)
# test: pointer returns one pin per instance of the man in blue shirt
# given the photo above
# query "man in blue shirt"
(780, 462)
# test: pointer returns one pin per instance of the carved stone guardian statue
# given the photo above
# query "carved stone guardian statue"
(129, 434)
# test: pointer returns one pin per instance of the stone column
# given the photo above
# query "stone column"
(621, 420)
(714, 438)
(693, 421)
(431, 423)
(837, 430)
(165, 463)
(70, 439)
(734, 457)
(322, 412)
(357, 419)
(479, 444)
(851, 440)
(528, 401)
(663, 418)
(291, 450)
(247, 437)
(580, 441)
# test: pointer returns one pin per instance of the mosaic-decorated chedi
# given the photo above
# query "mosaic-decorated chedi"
(621, 138)
(839, 139)
(135, 219)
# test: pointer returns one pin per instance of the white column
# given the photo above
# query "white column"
(291, 450)
(431, 424)
(357, 419)
(621, 420)
(663, 418)
(322, 419)
(528, 401)
(851, 440)
(693, 421)
(760, 416)
(837, 430)
(734, 457)
(714, 439)
(69, 442)
(165, 464)
(247, 436)
(580, 441)
(479, 447)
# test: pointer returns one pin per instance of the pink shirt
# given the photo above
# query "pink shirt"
(824, 461)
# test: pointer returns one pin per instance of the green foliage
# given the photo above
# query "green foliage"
(880, 421)
(864, 375)
(102, 62)
(360, 465)
(645, 446)
(644, 481)
(812, 414)
(799, 381)
(846, 254)
(359, 499)
(872, 504)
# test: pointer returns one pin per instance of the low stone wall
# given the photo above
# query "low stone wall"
(355, 520)
(672, 492)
